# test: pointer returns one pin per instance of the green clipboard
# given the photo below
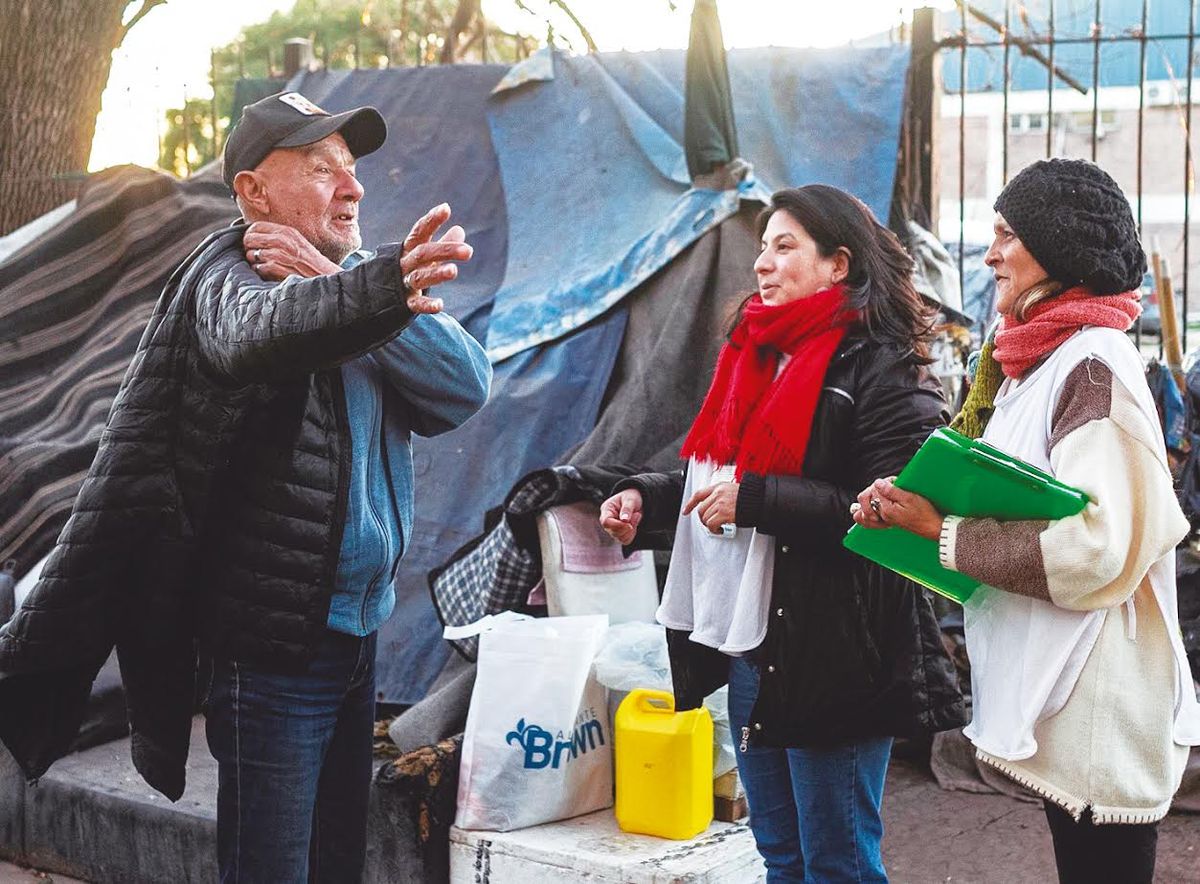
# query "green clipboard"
(962, 477)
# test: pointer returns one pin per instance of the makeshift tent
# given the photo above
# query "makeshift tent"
(73, 304)
(570, 177)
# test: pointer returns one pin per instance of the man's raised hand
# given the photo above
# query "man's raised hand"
(277, 251)
(425, 262)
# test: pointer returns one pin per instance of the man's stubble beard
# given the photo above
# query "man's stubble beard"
(339, 250)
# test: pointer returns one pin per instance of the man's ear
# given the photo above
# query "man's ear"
(251, 191)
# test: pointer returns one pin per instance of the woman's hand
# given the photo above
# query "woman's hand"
(715, 505)
(882, 505)
(621, 514)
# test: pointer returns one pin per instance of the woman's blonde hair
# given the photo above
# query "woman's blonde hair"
(1035, 294)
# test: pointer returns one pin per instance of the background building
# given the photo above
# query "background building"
(1143, 77)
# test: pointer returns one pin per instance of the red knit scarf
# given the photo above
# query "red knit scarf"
(1021, 345)
(751, 419)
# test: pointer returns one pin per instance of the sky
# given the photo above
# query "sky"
(165, 57)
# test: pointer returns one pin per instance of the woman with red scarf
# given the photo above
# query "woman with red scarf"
(1081, 688)
(828, 657)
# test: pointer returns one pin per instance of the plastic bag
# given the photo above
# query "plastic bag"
(538, 744)
(634, 655)
(717, 704)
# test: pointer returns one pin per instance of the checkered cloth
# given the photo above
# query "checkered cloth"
(497, 571)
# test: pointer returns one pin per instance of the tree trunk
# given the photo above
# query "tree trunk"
(463, 15)
(54, 63)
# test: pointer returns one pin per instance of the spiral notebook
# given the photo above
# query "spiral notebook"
(962, 477)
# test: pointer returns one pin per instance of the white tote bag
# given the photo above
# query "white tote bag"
(537, 745)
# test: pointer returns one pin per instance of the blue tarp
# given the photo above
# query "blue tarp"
(572, 186)
(544, 401)
(609, 131)
(438, 150)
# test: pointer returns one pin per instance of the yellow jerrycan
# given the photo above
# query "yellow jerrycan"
(664, 766)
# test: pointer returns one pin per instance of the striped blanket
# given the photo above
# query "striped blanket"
(73, 304)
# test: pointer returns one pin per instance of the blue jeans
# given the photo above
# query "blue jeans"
(814, 812)
(294, 766)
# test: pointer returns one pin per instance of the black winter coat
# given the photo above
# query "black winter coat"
(224, 354)
(852, 650)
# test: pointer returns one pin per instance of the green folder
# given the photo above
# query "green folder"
(962, 477)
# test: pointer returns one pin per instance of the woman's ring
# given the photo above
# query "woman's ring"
(258, 256)
(875, 508)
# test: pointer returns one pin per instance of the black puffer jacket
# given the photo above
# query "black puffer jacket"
(267, 572)
(135, 564)
(852, 650)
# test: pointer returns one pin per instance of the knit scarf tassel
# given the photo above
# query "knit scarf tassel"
(751, 419)
(1021, 345)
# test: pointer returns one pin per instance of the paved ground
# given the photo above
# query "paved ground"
(934, 837)
(10, 874)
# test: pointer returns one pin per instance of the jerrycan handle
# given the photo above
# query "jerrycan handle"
(648, 700)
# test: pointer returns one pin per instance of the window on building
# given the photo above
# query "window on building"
(1035, 122)
(1081, 121)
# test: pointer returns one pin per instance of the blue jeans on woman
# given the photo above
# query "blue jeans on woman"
(294, 766)
(814, 812)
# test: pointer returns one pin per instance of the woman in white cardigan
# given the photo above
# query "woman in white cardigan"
(1082, 691)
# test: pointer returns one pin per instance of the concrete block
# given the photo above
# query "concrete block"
(93, 817)
(593, 848)
(12, 807)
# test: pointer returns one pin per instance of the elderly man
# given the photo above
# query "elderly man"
(252, 496)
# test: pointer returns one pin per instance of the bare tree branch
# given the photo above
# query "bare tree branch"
(591, 44)
(472, 40)
(587, 37)
(433, 17)
(147, 5)
(520, 41)
(1025, 48)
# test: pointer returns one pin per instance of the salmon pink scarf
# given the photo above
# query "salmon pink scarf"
(1021, 345)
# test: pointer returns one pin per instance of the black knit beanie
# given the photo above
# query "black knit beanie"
(1076, 222)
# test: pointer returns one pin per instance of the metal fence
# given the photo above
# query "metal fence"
(1020, 80)
(243, 77)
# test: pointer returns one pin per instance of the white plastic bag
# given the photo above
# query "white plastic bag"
(717, 704)
(634, 655)
(537, 745)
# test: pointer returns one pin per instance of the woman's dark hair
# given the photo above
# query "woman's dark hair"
(879, 285)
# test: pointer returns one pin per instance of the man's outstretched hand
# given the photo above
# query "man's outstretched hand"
(425, 263)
